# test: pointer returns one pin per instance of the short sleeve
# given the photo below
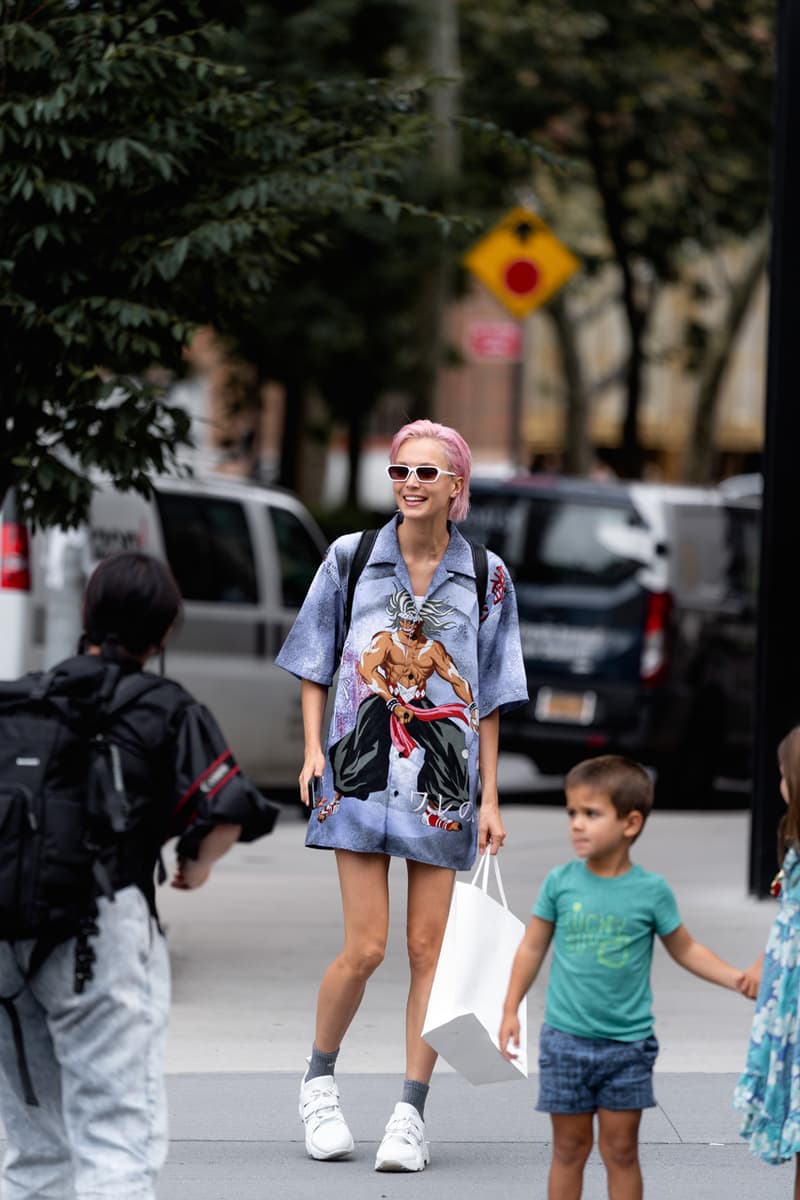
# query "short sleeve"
(546, 905)
(501, 669)
(311, 649)
(666, 917)
(210, 787)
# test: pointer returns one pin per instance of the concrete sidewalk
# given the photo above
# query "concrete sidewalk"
(237, 1137)
(249, 949)
(239, 1037)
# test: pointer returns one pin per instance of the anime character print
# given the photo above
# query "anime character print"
(411, 676)
(396, 667)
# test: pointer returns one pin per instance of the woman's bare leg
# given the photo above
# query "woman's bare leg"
(364, 886)
(429, 892)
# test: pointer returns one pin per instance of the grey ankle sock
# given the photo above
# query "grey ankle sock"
(321, 1063)
(415, 1093)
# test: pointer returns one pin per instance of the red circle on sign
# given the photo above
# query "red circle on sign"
(522, 276)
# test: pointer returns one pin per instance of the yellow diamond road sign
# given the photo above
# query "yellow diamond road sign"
(521, 261)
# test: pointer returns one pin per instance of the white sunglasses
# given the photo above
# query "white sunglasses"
(399, 473)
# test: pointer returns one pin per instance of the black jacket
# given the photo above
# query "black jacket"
(180, 776)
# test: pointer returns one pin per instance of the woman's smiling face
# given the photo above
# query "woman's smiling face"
(429, 500)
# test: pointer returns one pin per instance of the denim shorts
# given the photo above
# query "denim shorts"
(580, 1075)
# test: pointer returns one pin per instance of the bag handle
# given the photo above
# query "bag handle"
(481, 876)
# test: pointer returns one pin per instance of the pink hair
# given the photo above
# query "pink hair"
(456, 450)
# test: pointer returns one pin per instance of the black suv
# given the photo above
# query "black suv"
(637, 607)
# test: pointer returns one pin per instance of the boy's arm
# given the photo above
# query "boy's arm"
(192, 873)
(698, 959)
(527, 962)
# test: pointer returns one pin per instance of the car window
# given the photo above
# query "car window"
(496, 521)
(556, 540)
(565, 543)
(208, 546)
(298, 555)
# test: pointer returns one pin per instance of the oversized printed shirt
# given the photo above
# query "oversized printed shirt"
(415, 675)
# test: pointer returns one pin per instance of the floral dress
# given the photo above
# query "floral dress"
(414, 676)
(768, 1091)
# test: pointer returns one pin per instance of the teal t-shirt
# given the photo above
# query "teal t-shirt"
(603, 949)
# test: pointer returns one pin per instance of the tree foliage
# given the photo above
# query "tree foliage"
(149, 184)
(344, 323)
(662, 113)
(357, 321)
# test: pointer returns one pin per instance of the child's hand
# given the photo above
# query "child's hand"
(749, 980)
(190, 874)
(509, 1033)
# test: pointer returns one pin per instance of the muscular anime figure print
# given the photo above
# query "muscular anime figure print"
(396, 666)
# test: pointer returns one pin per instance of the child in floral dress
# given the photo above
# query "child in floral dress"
(768, 1091)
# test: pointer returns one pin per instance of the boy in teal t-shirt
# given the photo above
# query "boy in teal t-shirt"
(602, 912)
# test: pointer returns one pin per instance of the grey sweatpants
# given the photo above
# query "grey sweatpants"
(97, 1064)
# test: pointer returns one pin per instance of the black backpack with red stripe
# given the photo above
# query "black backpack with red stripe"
(64, 809)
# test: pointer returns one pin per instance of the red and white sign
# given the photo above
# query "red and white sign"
(494, 341)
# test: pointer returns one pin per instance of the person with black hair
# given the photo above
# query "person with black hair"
(94, 1054)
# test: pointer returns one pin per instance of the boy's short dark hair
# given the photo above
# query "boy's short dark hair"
(130, 601)
(624, 781)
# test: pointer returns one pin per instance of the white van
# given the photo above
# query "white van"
(243, 556)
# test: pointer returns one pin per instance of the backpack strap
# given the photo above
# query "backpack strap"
(108, 797)
(7, 1002)
(42, 949)
(480, 561)
(43, 684)
(357, 564)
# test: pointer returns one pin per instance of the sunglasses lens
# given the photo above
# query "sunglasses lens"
(397, 472)
(427, 474)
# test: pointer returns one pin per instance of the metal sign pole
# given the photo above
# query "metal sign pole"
(778, 651)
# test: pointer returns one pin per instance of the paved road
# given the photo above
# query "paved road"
(248, 951)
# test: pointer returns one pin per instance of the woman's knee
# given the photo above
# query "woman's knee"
(423, 951)
(363, 958)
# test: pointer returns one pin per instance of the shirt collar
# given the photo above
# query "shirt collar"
(457, 558)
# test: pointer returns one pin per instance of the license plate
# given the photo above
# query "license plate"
(576, 708)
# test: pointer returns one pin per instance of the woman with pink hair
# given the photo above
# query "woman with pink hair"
(426, 665)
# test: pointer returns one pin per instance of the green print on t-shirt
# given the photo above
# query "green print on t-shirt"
(593, 933)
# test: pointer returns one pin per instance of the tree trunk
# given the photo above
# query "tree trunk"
(700, 451)
(355, 442)
(577, 446)
(444, 65)
(609, 184)
(293, 425)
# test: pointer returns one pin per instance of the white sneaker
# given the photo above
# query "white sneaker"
(327, 1135)
(403, 1147)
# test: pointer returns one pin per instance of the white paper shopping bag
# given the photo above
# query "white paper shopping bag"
(466, 1004)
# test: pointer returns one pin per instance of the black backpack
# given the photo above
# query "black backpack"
(63, 809)
(63, 804)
